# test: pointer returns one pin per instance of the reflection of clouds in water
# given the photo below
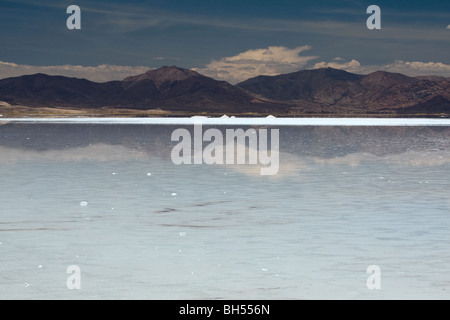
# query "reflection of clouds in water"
(438, 158)
(97, 152)
(411, 158)
(289, 166)
(293, 165)
(353, 159)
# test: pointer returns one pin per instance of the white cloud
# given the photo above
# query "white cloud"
(269, 61)
(411, 68)
(420, 68)
(278, 60)
(448, 27)
(351, 66)
(101, 73)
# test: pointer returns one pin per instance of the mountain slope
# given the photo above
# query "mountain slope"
(181, 89)
(300, 85)
(44, 90)
(172, 89)
(435, 105)
(336, 91)
(168, 88)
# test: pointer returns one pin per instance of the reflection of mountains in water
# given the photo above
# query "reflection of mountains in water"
(315, 141)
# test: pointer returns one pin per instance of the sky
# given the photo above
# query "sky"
(226, 39)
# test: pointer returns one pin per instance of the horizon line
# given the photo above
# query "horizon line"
(268, 121)
(193, 70)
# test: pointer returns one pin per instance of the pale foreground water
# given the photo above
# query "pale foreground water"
(108, 199)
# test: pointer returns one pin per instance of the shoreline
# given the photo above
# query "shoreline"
(245, 121)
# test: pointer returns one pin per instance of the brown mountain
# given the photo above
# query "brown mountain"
(336, 91)
(434, 78)
(319, 91)
(42, 90)
(435, 105)
(179, 89)
(167, 88)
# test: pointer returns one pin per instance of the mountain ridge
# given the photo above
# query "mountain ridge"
(174, 89)
(336, 91)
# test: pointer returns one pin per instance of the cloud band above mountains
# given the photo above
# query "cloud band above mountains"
(410, 68)
(101, 73)
(277, 60)
(271, 61)
(251, 63)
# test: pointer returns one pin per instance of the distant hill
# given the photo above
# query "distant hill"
(168, 88)
(435, 105)
(42, 90)
(337, 91)
(320, 91)
(179, 89)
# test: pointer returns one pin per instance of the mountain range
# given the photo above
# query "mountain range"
(176, 90)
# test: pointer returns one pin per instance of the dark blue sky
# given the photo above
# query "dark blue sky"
(192, 33)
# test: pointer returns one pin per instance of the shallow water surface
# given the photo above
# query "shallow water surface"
(109, 200)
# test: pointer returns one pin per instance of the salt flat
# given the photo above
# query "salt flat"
(244, 121)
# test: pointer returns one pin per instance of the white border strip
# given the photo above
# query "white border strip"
(241, 121)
